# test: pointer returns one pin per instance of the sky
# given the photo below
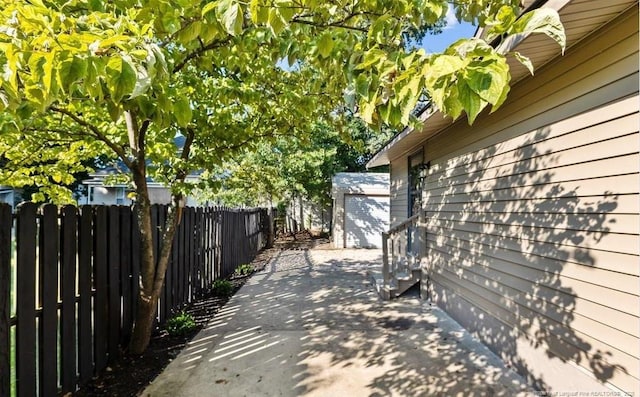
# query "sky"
(452, 32)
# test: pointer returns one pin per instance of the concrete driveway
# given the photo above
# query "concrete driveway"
(311, 324)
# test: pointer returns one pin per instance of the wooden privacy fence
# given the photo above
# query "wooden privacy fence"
(69, 283)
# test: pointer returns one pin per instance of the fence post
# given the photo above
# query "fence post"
(6, 223)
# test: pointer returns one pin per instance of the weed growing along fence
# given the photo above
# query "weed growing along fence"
(76, 272)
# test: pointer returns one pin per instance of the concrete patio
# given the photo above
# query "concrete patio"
(311, 324)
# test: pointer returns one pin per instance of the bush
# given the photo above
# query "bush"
(222, 287)
(245, 269)
(181, 324)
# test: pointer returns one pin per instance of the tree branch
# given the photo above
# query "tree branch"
(181, 175)
(332, 25)
(211, 46)
(95, 132)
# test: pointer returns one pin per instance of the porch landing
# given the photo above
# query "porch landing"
(312, 324)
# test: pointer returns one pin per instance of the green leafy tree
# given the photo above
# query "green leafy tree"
(81, 78)
(287, 168)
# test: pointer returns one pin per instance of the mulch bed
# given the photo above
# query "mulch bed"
(129, 375)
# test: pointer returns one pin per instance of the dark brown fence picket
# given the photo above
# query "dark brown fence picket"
(6, 223)
(26, 301)
(77, 277)
(100, 285)
(114, 282)
(68, 245)
(48, 348)
(85, 289)
(126, 281)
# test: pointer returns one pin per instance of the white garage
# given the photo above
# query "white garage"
(360, 210)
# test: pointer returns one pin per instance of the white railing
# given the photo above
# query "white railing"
(401, 246)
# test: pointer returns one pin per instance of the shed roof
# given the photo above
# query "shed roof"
(360, 183)
(580, 18)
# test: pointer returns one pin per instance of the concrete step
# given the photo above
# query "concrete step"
(407, 280)
(397, 285)
(386, 292)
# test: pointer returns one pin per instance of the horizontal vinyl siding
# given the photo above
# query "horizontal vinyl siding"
(399, 190)
(533, 219)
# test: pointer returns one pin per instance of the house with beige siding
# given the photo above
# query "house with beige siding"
(525, 226)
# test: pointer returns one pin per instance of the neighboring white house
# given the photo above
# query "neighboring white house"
(532, 214)
(360, 209)
(100, 192)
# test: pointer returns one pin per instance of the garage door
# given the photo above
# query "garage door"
(366, 217)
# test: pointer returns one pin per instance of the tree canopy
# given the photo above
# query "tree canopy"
(293, 167)
(83, 78)
(79, 76)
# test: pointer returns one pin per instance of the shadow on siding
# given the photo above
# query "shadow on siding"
(509, 270)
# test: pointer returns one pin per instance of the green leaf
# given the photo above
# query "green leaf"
(412, 88)
(72, 70)
(96, 5)
(182, 112)
(501, 23)
(190, 32)
(524, 60)
(470, 101)
(115, 110)
(117, 41)
(542, 20)
(452, 104)
(230, 16)
(501, 99)
(488, 79)
(121, 78)
(442, 65)
(368, 108)
(275, 21)
(209, 7)
(378, 29)
(146, 106)
(362, 85)
(371, 57)
(48, 76)
(325, 45)
(92, 83)
(259, 14)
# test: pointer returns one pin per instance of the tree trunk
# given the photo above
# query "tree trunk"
(152, 272)
(145, 314)
(301, 213)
